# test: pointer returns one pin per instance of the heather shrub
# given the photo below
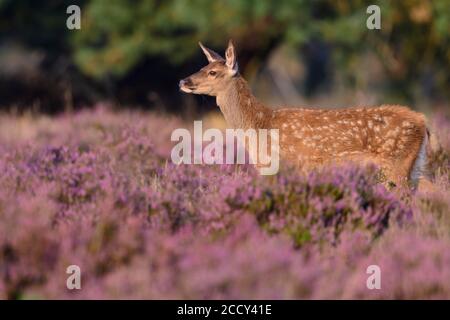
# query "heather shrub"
(28, 251)
(97, 189)
(439, 155)
(413, 267)
(183, 265)
(319, 206)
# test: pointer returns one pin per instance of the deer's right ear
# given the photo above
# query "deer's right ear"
(231, 59)
(210, 54)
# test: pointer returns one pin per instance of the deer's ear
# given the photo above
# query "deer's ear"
(210, 54)
(231, 59)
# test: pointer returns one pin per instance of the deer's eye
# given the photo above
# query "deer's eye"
(212, 73)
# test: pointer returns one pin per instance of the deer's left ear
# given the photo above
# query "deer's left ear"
(231, 59)
(210, 54)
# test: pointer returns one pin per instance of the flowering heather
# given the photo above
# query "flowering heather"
(97, 189)
(439, 159)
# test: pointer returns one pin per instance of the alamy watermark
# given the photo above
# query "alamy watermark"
(262, 146)
(74, 280)
(374, 280)
(73, 21)
(374, 20)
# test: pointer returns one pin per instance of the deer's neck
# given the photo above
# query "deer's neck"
(240, 108)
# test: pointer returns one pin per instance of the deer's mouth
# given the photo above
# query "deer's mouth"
(187, 90)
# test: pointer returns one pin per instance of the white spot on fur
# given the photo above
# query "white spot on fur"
(406, 124)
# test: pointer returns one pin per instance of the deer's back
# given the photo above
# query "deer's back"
(321, 135)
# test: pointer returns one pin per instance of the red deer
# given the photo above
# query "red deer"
(390, 136)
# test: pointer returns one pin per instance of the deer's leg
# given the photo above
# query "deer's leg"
(424, 185)
(391, 174)
(404, 174)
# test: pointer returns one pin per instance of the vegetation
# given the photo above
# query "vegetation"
(119, 41)
(97, 189)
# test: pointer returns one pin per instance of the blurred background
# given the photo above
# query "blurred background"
(133, 53)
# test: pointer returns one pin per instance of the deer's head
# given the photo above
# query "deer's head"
(216, 76)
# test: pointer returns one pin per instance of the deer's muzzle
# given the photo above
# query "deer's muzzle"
(186, 85)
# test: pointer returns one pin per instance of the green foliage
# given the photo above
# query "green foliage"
(117, 35)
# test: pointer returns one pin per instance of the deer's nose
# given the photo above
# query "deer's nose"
(186, 82)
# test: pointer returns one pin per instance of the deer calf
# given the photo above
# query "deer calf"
(392, 137)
